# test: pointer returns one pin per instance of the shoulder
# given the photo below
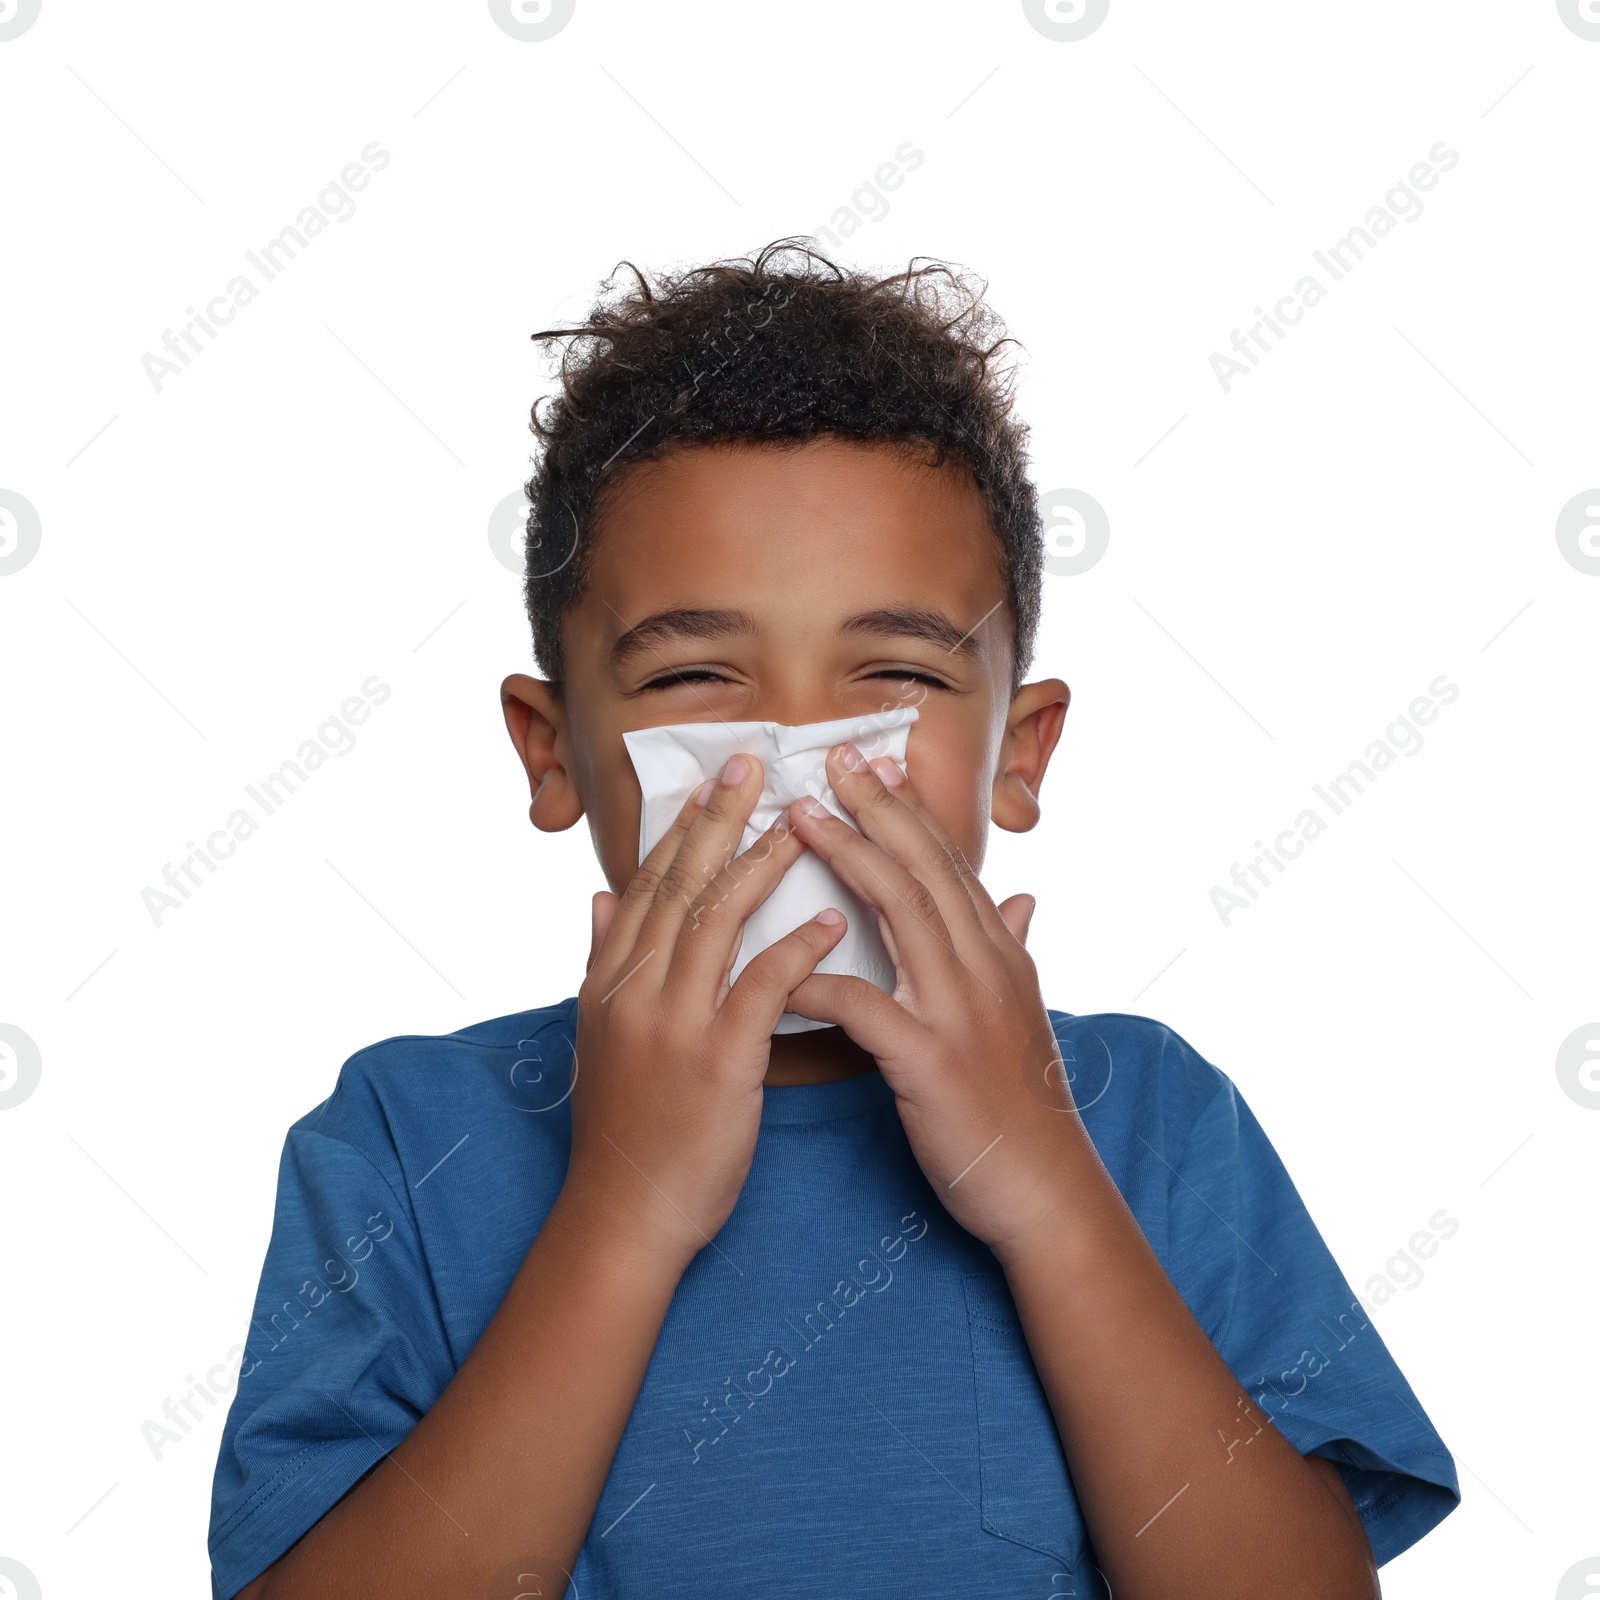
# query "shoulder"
(1141, 1087)
(1137, 1064)
(395, 1099)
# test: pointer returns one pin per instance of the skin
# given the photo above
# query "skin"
(765, 532)
(804, 543)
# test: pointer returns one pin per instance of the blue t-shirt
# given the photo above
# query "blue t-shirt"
(841, 1390)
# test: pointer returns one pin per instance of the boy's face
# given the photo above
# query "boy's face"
(792, 585)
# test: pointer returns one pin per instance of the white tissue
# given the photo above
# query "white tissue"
(673, 762)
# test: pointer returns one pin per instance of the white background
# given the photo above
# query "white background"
(306, 504)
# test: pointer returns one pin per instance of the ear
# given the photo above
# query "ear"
(1033, 726)
(536, 719)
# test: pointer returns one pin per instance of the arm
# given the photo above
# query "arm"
(1136, 1389)
(511, 1459)
(507, 1466)
(1184, 1484)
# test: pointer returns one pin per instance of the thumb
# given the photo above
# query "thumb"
(601, 910)
(1017, 914)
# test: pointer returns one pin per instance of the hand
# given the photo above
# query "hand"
(666, 1104)
(966, 1028)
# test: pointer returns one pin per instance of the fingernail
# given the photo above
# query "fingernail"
(810, 806)
(892, 777)
(830, 918)
(735, 772)
(703, 793)
(850, 758)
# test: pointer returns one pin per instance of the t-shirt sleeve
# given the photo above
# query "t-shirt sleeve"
(1253, 1268)
(345, 1352)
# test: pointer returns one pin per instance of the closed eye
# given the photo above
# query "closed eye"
(707, 675)
(905, 674)
(685, 675)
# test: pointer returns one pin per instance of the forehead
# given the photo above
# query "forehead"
(828, 525)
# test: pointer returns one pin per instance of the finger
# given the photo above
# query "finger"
(708, 940)
(708, 844)
(922, 943)
(660, 878)
(640, 893)
(872, 1018)
(884, 817)
(1017, 914)
(900, 785)
(602, 909)
(761, 995)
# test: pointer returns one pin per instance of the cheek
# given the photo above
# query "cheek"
(611, 806)
(951, 781)
(616, 846)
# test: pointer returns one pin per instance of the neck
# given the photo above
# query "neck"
(820, 1055)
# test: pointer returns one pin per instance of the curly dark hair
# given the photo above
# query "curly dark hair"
(782, 347)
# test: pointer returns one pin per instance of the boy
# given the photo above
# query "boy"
(943, 1293)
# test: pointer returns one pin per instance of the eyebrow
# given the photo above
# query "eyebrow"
(686, 622)
(902, 622)
(683, 622)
